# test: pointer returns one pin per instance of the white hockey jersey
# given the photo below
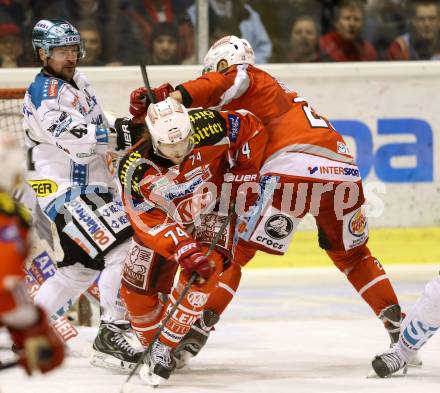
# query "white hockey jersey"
(67, 136)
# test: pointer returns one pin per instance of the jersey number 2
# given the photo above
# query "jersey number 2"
(313, 118)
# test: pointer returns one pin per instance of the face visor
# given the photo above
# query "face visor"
(71, 52)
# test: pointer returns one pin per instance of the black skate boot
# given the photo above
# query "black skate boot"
(392, 318)
(195, 339)
(158, 364)
(389, 362)
(112, 350)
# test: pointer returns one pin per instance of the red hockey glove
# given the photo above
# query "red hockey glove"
(39, 346)
(139, 100)
(238, 176)
(191, 259)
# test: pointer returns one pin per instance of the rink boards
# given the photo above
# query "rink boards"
(388, 245)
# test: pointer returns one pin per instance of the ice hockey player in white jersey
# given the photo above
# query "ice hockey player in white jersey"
(68, 136)
(417, 328)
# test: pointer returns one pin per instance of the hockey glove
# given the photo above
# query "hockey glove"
(191, 259)
(127, 133)
(139, 100)
(238, 176)
(38, 345)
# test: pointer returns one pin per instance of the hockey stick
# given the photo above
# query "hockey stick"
(147, 83)
(126, 386)
(5, 366)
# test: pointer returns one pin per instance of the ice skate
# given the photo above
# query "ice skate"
(195, 339)
(112, 350)
(389, 362)
(158, 364)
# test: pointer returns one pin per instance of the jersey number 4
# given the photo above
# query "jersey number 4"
(78, 132)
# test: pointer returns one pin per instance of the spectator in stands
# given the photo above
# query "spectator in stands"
(46, 9)
(422, 40)
(91, 38)
(345, 43)
(386, 20)
(101, 15)
(164, 44)
(11, 43)
(304, 41)
(239, 14)
(137, 19)
(219, 28)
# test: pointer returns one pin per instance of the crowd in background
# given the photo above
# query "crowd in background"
(126, 32)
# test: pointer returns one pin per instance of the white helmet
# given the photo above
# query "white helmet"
(250, 55)
(229, 48)
(170, 128)
(11, 162)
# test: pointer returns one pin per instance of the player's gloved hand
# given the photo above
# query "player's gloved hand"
(139, 100)
(40, 348)
(238, 176)
(191, 259)
(127, 133)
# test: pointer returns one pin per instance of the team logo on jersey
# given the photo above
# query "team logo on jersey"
(234, 127)
(53, 88)
(209, 227)
(358, 224)
(190, 208)
(197, 299)
(342, 148)
(278, 226)
(137, 259)
(60, 125)
(43, 188)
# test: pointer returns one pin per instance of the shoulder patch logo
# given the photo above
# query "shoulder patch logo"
(234, 126)
(52, 91)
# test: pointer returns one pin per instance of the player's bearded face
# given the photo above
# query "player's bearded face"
(62, 61)
(176, 152)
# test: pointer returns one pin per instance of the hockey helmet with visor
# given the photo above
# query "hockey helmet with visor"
(58, 33)
(170, 130)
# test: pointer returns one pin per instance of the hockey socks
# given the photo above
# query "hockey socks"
(225, 290)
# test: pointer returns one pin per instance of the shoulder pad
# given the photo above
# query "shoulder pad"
(132, 168)
(44, 88)
(209, 127)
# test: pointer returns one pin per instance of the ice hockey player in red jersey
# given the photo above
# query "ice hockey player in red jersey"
(177, 198)
(38, 345)
(306, 161)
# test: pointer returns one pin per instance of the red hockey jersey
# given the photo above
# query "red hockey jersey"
(163, 200)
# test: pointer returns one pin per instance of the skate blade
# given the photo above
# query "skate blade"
(416, 361)
(150, 378)
(102, 360)
(398, 374)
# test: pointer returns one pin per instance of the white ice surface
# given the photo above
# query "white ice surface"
(301, 331)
